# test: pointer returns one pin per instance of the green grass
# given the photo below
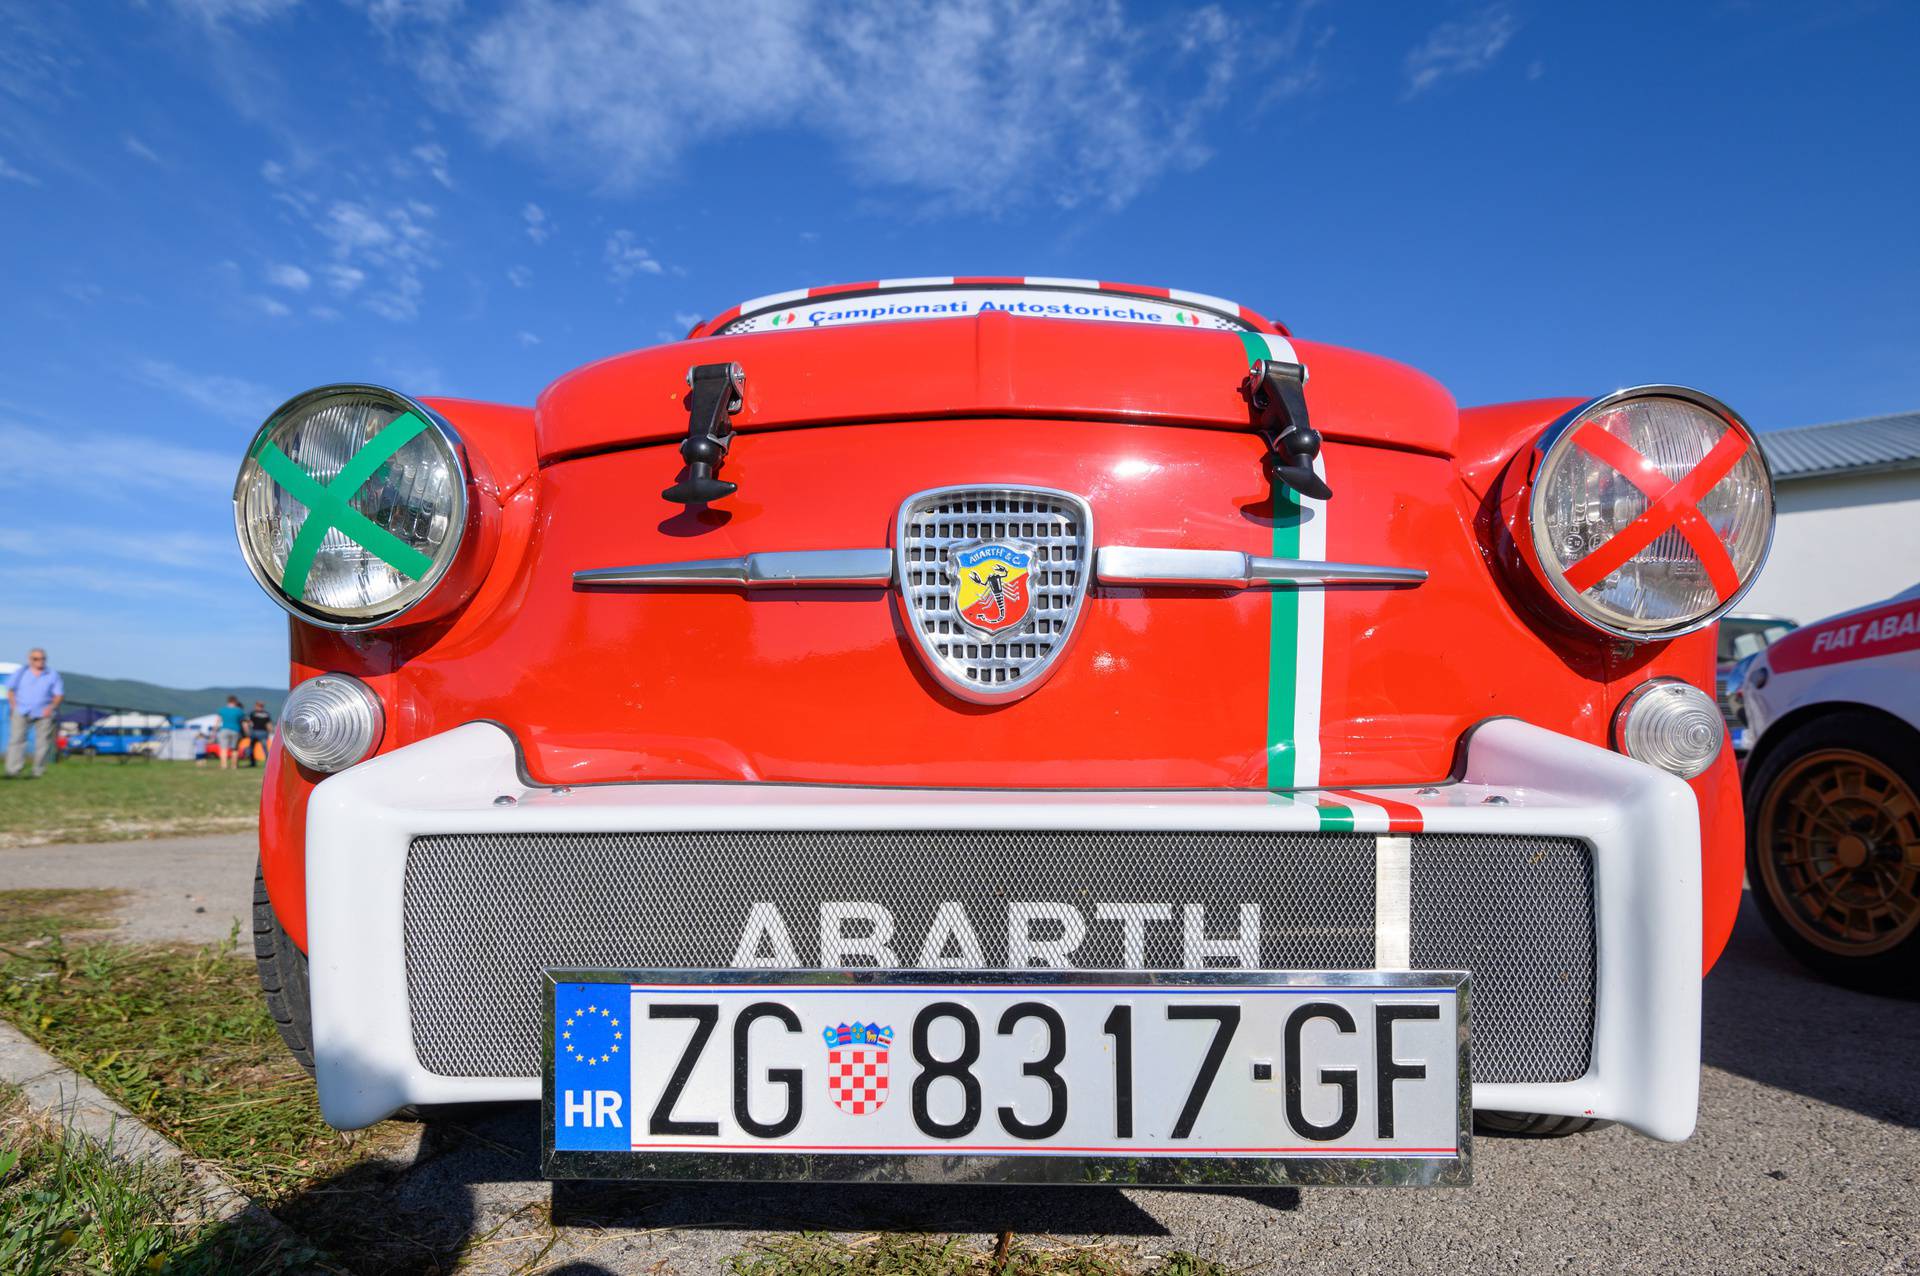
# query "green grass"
(68, 1206)
(29, 915)
(180, 1037)
(950, 1256)
(110, 800)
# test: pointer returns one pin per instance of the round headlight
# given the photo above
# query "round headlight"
(351, 505)
(331, 722)
(1670, 724)
(1652, 510)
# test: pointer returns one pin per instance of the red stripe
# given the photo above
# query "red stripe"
(1140, 289)
(830, 289)
(1671, 505)
(978, 281)
(1321, 1150)
(1402, 817)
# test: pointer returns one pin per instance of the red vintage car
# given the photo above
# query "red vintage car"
(1147, 737)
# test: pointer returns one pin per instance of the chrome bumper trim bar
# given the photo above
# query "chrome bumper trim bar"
(1114, 565)
(1231, 569)
(791, 569)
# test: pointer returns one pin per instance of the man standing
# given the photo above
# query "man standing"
(259, 731)
(34, 694)
(231, 716)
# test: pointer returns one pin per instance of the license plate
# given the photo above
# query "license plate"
(1216, 1076)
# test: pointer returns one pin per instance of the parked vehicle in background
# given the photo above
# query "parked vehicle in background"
(1833, 793)
(1742, 637)
(123, 735)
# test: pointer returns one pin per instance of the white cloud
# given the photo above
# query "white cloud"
(344, 279)
(229, 398)
(977, 103)
(271, 306)
(527, 338)
(686, 318)
(141, 150)
(153, 545)
(381, 251)
(291, 278)
(218, 12)
(519, 276)
(390, 246)
(121, 460)
(433, 158)
(325, 313)
(9, 173)
(626, 258)
(536, 219)
(1460, 48)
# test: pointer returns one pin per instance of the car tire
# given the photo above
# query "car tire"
(283, 976)
(1533, 1125)
(1839, 797)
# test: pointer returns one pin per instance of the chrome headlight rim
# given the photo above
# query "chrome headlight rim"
(458, 519)
(1539, 553)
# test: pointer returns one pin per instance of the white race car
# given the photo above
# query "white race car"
(1833, 793)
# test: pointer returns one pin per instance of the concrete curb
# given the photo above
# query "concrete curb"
(57, 1092)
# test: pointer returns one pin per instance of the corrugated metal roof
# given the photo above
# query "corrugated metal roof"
(1890, 442)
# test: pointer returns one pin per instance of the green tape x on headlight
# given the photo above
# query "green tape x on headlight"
(350, 505)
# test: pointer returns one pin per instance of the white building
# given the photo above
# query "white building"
(1849, 526)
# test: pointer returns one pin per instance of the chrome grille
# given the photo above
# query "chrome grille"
(1518, 913)
(1058, 528)
(485, 914)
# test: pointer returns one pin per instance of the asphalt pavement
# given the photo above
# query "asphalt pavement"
(1807, 1158)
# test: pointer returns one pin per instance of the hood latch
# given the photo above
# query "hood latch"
(714, 392)
(1277, 393)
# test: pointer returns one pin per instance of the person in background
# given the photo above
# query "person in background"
(34, 694)
(231, 718)
(202, 742)
(259, 731)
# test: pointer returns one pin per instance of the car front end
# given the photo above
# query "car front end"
(1004, 625)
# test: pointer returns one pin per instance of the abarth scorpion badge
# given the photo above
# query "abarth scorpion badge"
(992, 590)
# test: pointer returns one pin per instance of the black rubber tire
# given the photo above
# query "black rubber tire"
(1533, 1125)
(283, 976)
(1895, 746)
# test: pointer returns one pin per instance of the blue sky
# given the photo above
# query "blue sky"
(209, 205)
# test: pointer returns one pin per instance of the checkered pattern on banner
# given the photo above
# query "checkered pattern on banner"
(857, 1079)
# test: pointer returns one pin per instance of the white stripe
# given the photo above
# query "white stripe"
(1392, 906)
(1202, 299)
(1051, 282)
(1313, 623)
(1313, 613)
(773, 299)
(934, 280)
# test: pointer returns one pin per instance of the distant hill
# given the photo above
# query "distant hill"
(126, 693)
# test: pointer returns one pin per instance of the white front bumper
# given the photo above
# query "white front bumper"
(1642, 824)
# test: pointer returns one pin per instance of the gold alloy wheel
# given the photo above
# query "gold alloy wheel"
(1840, 852)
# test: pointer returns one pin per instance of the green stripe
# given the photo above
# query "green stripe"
(1335, 819)
(328, 507)
(1283, 645)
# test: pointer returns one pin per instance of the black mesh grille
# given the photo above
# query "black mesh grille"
(1518, 913)
(485, 914)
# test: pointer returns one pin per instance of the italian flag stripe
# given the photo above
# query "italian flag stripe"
(1400, 817)
(1298, 619)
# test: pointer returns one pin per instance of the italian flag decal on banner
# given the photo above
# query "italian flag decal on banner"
(1298, 624)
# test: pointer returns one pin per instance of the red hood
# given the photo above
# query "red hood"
(987, 365)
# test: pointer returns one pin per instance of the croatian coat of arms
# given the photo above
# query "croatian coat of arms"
(857, 1066)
